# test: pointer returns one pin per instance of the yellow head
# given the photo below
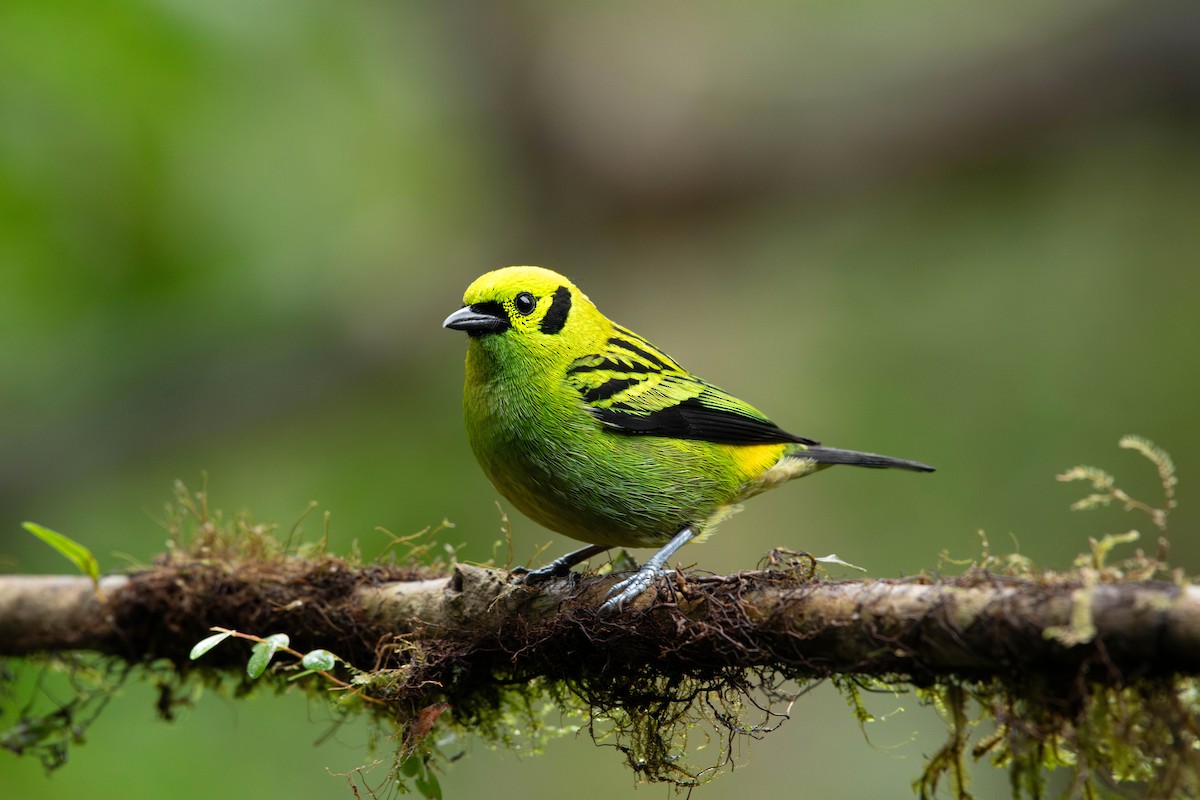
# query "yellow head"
(529, 311)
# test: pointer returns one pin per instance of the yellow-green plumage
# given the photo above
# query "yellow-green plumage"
(595, 433)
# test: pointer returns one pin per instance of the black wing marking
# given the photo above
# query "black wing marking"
(694, 419)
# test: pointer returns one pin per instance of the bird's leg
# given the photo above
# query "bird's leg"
(559, 566)
(637, 583)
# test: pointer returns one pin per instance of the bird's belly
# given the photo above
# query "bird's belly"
(615, 489)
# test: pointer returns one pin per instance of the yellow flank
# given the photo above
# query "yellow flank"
(769, 467)
(593, 431)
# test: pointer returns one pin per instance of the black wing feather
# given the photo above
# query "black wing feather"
(693, 419)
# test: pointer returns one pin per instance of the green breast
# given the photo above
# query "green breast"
(561, 468)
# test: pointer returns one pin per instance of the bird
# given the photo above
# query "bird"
(593, 432)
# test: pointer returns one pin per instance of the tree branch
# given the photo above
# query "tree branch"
(978, 625)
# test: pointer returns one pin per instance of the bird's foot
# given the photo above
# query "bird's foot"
(621, 593)
(530, 577)
(558, 568)
(638, 582)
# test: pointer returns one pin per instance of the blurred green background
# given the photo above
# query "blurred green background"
(229, 233)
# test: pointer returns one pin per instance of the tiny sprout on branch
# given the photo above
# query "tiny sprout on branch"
(1106, 489)
(319, 662)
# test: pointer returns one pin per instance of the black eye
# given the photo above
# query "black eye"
(525, 303)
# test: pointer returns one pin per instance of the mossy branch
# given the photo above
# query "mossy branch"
(1091, 670)
(977, 625)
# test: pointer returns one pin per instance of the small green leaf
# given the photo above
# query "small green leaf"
(260, 657)
(204, 645)
(428, 785)
(319, 660)
(263, 652)
(411, 766)
(72, 550)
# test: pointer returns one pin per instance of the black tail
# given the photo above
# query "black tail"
(831, 455)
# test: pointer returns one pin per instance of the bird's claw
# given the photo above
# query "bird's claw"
(626, 590)
(639, 581)
(529, 577)
(558, 568)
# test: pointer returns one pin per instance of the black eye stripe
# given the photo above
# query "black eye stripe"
(556, 315)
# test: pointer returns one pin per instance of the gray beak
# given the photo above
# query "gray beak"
(478, 319)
